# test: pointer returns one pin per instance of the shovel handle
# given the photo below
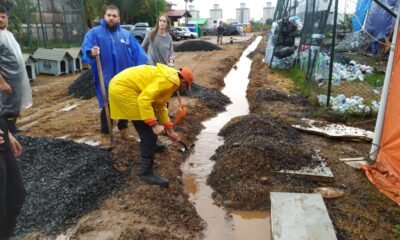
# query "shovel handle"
(105, 100)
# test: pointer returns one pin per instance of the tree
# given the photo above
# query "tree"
(94, 9)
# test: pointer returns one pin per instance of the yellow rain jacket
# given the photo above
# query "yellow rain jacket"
(138, 93)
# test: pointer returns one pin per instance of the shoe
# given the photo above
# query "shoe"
(125, 135)
(160, 147)
(147, 174)
(153, 178)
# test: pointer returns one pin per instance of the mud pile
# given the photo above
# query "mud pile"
(254, 53)
(83, 86)
(196, 45)
(211, 98)
(255, 148)
(63, 180)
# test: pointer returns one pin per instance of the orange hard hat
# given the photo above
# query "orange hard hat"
(187, 75)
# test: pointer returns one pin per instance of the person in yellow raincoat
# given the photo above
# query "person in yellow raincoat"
(140, 94)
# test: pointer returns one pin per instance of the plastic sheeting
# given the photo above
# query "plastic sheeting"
(385, 173)
(283, 34)
(12, 68)
(361, 11)
(379, 23)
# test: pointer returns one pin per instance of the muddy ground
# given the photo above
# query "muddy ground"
(138, 211)
(258, 145)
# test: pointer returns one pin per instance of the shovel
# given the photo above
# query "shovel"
(180, 115)
(105, 102)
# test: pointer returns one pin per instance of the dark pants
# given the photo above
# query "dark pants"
(148, 139)
(122, 124)
(11, 122)
(12, 192)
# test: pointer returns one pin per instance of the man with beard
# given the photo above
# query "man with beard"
(118, 50)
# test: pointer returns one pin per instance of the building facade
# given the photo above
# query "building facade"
(216, 13)
(268, 12)
(195, 13)
(243, 14)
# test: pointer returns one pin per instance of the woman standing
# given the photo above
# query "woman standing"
(159, 48)
(158, 43)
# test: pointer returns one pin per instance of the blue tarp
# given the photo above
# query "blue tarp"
(361, 11)
(379, 22)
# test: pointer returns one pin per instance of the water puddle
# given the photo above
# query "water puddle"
(222, 224)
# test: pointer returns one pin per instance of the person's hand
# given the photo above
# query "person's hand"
(16, 147)
(172, 134)
(1, 137)
(95, 51)
(6, 88)
(158, 129)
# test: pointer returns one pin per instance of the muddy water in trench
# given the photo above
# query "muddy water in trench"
(222, 224)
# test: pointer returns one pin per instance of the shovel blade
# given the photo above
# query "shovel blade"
(180, 115)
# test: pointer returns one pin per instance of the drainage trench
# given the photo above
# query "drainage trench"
(223, 223)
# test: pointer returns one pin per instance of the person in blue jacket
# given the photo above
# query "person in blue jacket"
(118, 50)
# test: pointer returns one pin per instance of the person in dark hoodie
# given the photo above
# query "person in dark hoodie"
(12, 191)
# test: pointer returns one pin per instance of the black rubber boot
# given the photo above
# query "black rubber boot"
(147, 174)
(160, 147)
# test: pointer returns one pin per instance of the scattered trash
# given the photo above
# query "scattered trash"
(355, 162)
(69, 107)
(329, 192)
(281, 42)
(349, 72)
(353, 105)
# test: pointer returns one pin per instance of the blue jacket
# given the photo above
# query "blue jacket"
(118, 50)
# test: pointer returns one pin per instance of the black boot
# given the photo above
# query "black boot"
(147, 174)
(160, 147)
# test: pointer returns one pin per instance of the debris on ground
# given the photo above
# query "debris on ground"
(355, 163)
(352, 105)
(64, 180)
(83, 86)
(350, 72)
(329, 192)
(196, 45)
(333, 130)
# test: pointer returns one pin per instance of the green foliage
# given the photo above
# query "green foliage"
(155, 8)
(299, 79)
(20, 14)
(94, 9)
(375, 79)
(396, 230)
(258, 27)
(131, 11)
(347, 23)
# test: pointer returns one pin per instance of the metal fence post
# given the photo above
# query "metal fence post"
(332, 54)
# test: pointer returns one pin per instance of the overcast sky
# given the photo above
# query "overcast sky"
(256, 7)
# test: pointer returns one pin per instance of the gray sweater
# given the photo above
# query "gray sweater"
(159, 51)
